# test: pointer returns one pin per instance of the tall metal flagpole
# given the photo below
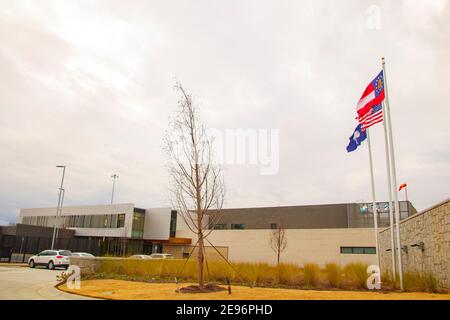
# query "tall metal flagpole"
(374, 204)
(391, 212)
(394, 177)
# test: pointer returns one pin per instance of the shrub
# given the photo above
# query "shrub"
(357, 274)
(429, 283)
(334, 274)
(425, 282)
(311, 274)
(288, 274)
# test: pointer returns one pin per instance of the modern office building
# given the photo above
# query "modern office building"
(340, 233)
(326, 216)
(315, 233)
(119, 229)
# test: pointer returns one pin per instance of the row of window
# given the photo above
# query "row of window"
(358, 250)
(234, 226)
(79, 221)
(238, 226)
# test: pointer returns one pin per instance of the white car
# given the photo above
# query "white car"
(82, 255)
(140, 256)
(161, 256)
(153, 256)
(51, 259)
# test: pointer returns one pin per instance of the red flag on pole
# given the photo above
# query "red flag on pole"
(402, 186)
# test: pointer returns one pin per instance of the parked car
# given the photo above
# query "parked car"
(82, 255)
(140, 256)
(51, 259)
(161, 256)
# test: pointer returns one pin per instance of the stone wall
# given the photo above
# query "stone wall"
(432, 227)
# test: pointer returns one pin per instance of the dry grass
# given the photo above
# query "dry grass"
(311, 271)
(129, 290)
(352, 276)
(420, 282)
(334, 274)
(356, 274)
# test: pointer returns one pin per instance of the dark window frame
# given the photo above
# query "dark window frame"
(357, 250)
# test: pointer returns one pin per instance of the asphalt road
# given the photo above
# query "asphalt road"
(23, 283)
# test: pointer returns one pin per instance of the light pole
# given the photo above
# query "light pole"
(60, 209)
(114, 176)
(59, 204)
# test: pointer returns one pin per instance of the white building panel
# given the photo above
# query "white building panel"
(157, 223)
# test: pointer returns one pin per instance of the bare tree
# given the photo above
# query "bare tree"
(278, 240)
(196, 182)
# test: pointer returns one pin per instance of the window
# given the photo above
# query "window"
(220, 226)
(121, 220)
(237, 226)
(358, 250)
(137, 229)
(79, 221)
(173, 223)
(114, 219)
(87, 221)
(273, 226)
(346, 250)
(106, 221)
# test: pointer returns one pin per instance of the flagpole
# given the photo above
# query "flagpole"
(394, 177)
(374, 204)
(391, 212)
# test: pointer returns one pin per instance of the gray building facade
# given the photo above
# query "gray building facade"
(326, 216)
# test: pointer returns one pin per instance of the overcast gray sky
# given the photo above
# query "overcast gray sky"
(89, 84)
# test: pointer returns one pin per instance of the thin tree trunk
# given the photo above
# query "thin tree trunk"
(201, 278)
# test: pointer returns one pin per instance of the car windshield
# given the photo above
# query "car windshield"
(65, 253)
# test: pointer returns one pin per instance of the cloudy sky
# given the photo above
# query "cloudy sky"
(89, 84)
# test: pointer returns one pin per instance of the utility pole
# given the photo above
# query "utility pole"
(114, 176)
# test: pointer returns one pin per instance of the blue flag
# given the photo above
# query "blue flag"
(358, 136)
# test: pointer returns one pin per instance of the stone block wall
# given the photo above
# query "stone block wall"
(432, 227)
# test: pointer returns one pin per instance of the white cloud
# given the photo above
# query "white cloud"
(90, 85)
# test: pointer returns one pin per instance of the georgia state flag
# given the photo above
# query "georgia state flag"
(358, 136)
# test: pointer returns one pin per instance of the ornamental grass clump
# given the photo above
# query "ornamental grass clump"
(311, 273)
(356, 274)
(333, 273)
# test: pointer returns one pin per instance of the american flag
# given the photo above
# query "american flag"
(369, 106)
(374, 116)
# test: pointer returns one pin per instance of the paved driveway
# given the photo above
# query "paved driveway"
(23, 283)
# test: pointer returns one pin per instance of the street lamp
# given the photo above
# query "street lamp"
(60, 209)
(114, 176)
(59, 205)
